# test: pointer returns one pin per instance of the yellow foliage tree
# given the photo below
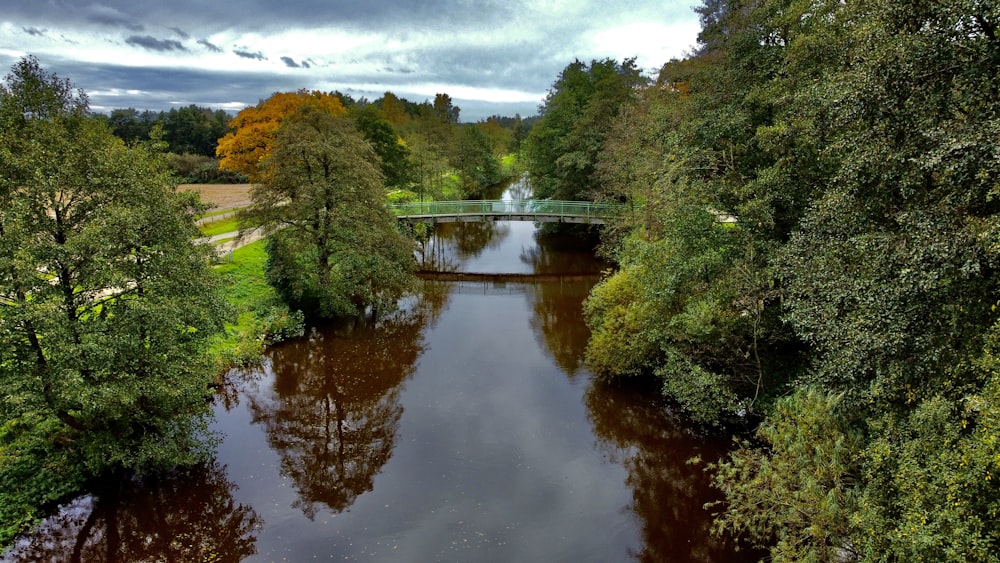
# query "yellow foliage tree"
(253, 130)
(394, 110)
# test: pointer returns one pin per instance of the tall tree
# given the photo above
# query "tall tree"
(563, 147)
(253, 130)
(445, 110)
(889, 276)
(128, 124)
(105, 304)
(338, 249)
(193, 129)
(475, 159)
(391, 148)
(393, 109)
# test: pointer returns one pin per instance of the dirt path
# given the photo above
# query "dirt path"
(228, 242)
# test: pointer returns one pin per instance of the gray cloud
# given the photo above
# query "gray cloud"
(210, 46)
(110, 16)
(402, 46)
(248, 55)
(290, 63)
(400, 16)
(203, 18)
(154, 44)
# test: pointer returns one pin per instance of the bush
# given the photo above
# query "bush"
(35, 472)
(199, 169)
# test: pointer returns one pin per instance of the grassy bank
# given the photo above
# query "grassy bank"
(218, 227)
(260, 316)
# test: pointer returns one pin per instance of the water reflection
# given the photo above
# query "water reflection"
(506, 451)
(558, 320)
(668, 492)
(565, 250)
(188, 515)
(333, 411)
(452, 244)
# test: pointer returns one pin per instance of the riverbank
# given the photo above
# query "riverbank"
(417, 398)
(38, 467)
(261, 318)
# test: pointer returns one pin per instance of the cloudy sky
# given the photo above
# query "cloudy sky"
(490, 56)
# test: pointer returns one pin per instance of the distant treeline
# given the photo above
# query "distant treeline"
(428, 131)
(187, 130)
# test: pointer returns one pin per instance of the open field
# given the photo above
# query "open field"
(221, 196)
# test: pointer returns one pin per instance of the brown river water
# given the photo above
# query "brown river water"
(463, 427)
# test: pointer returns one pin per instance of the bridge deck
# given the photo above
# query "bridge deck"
(506, 210)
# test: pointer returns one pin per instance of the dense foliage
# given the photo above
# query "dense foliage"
(562, 148)
(817, 246)
(105, 304)
(442, 158)
(334, 249)
(190, 130)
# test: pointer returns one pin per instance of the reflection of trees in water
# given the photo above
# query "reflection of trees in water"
(667, 492)
(333, 412)
(432, 299)
(519, 190)
(187, 515)
(558, 320)
(235, 383)
(452, 243)
(567, 250)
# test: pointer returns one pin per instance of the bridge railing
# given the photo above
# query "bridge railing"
(527, 207)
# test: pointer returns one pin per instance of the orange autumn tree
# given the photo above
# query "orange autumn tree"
(254, 129)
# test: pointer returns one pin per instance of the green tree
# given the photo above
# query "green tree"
(889, 112)
(563, 147)
(105, 304)
(193, 129)
(904, 232)
(476, 161)
(432, 142)
(392, 151)
(797, 494)
(131, 126)
(445, 110)
(335, 249)
(697, 303)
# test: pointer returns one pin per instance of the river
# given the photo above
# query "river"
(463, 427)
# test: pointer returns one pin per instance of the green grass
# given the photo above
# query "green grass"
(219, 227)
(261, 317)
(243, 278)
